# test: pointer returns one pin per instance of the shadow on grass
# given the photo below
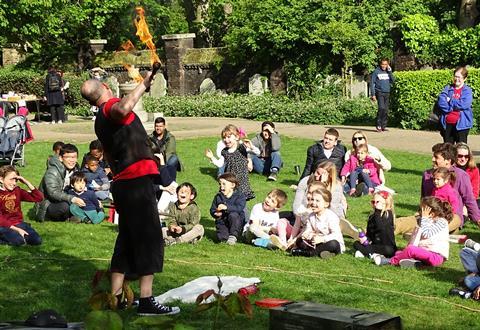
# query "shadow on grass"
(289, 182)
(443, 274)
(210, 171)
(410, 207)
(210, 232)
(407, 171)
(38, 276)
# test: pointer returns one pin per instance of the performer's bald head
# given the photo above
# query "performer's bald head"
(92, 90)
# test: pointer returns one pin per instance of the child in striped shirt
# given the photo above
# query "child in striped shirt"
(429, 243)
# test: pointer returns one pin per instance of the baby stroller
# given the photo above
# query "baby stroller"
(12, 139)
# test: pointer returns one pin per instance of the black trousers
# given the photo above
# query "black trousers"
(450, 134)
(58, 112)
(58, 211)
(386, 250)
(383, 101)
(230, 224)
(139, 245)
(330, 246)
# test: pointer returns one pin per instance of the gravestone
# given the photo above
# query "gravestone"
(278, 82)
(257, 84)
(207, 86)
(159, 86)
(359, 87)
(112, 81)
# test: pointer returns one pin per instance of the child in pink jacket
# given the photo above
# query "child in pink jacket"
(443, 180)
(360, 166)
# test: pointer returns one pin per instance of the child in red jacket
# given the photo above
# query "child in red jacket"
(13, 230)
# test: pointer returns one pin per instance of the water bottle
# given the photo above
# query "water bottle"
(363, 235)
(248, 290)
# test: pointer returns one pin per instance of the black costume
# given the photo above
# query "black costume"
(380, 233)
(139, 245)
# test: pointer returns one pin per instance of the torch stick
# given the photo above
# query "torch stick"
(155, 67)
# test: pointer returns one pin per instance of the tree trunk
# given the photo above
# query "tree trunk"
(467, 14)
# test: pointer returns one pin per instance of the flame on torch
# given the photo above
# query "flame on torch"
(133, 72)
(144, 34)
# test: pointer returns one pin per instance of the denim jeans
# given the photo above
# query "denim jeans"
(10, 236)
(468, 258)
(266, 165)
(361, 176)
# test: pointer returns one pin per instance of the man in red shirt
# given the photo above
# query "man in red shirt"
(139, 245)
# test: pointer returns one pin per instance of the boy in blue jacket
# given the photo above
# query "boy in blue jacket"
(92, 212)
(380, 86)
(228, 209)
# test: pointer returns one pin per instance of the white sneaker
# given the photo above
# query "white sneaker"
(276, 241)
(380, 260)
(59, 122)
(359, 254)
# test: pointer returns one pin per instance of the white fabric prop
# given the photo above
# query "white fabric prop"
(189, 292)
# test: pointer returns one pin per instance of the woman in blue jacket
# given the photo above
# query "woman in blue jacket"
(455, 103)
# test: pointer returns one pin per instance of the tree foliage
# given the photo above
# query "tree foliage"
(55, 31)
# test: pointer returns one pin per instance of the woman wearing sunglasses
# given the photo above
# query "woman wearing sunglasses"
(383, 164)
(466, 162)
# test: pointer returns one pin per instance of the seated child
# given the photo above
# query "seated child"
(92, 212)
(264, 219)
(429, 244)
(183, 222)
(56, 147)
(322, 236)
(361, 168)
(13, 230)
(443, 180)
(470, 258)
(379, 238)
(96, 178)
(228, 209)
(96, 150)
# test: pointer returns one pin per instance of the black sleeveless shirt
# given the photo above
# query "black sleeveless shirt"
(124, 143)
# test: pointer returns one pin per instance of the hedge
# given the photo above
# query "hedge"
(415, 93)
(326, 110)
(32, 82)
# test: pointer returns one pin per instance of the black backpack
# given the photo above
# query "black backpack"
(54, 83)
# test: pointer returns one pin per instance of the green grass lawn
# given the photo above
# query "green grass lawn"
(58, 273)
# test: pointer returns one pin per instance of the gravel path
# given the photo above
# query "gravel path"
(81, 130)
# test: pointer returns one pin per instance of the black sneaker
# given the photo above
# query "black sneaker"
(300, 253)
(150, 307)
(465, 294)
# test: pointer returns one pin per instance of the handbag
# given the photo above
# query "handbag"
(434, 116)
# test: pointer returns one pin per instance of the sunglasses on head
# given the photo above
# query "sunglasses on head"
(360, 138)
(463, 156)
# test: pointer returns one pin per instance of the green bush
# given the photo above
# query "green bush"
(326, 110)
(415, 93)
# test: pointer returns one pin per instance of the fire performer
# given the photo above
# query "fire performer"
(139, 245)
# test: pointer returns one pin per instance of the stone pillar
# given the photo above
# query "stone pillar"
(97, 45)
(138, 108)
(176, 45)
